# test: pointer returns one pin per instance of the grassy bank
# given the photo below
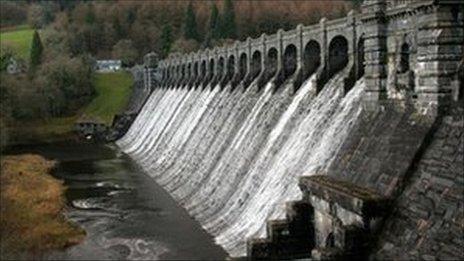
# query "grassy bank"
(41, 131)
(113, 92)
(31, 205)
(18, 39)
(112, 95)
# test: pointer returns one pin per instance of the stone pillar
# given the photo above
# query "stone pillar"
(324, 45)
(280, 51)
(439, 52)
(299, 48)
(375, 44)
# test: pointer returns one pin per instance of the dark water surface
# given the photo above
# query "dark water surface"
(125, 213)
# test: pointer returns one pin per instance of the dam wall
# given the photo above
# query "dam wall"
(306, 143)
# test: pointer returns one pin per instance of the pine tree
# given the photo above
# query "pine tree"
(90, 17)
(36, 51)
(214, 22)
(228, 26)
(166, 40)
(190, 24)
(213, 27)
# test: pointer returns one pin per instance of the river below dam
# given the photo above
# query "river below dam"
(125, 213)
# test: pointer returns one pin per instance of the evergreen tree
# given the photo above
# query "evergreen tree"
(166, 40)
(190, 24)
(228, 26)
(90, 17)
(36, 50)
(213, 27)
(214, 22)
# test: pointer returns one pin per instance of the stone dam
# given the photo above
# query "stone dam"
(342, 139)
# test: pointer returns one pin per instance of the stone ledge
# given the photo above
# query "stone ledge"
(363, 201)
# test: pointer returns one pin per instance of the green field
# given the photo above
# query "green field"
(19, 41)
(113, 92)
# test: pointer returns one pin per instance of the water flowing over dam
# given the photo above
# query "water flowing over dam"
(231, 158)
(305, 137)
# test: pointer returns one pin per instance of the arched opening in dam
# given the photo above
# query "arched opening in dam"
(270, 67)
(360, 63)
(211, 73)
(164, 75)
(256, 64)
(338, 55)
(202, 77)
(170, 76)
(290, 60)
(195, 75)
(311, 58)
(403, 65)
(243, 68)
(188, 74)
(206, 75)
(177, 76)
(230, 71)
(219, 72)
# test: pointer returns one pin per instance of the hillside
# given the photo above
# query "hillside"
(113, 92)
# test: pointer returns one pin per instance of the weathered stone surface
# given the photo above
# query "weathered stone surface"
(363, 201)
(439, 215)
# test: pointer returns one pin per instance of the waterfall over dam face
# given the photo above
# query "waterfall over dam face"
(233, 158)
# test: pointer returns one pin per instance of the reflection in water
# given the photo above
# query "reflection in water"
(138, 249)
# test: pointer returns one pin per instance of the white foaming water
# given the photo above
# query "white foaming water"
(139, 249)
(233, 159)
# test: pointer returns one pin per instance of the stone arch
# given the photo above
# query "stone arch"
(270, 67)
(221, 65)
(183, 75)
(338, 54)
(203, 68)
(271, 62)
(201, 73)
(189, 72)
(219, 72)
(211, 68)
(360, 66)
(194, 73)
(404, 59)
(289, 60)
(170, 75)
(311, 57)
(255, 64)
(230, 68)
(243, 66)
(405, 78)
(163, 75)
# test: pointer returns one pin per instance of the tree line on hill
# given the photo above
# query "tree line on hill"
(130, 29)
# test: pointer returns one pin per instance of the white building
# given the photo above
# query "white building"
(108, 65)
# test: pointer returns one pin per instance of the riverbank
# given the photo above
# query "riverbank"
(41, 131)
(125, 213)
(31, 208)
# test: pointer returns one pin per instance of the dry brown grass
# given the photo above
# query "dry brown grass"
(31, 204)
